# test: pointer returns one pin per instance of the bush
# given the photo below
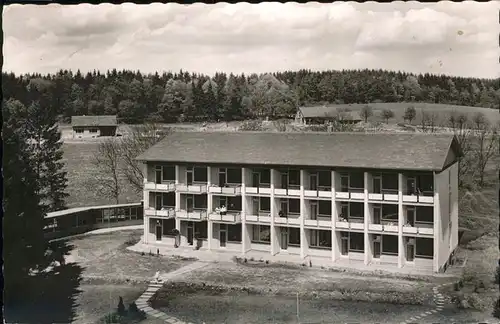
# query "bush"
(136, 313)
(121, 307)
(251, 125)
(497, 275)
(496, 309)
(112, 318)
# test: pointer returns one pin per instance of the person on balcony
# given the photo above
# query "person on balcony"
(223, 210)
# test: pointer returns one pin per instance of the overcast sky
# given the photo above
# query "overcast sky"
(451, 38)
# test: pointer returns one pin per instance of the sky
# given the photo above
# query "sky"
(458, 39)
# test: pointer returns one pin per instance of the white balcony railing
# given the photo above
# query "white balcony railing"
(258, 190)
(383, 196)
(192, 188)
(350, 225)
(230, 217)
(162, 213)
(200, 214)
(287, 220)
(160, 186)
(390, 228)
(323, 223)
(418, 230)
(350, 195)
(236, 190)
(418, 199)
(259, 218)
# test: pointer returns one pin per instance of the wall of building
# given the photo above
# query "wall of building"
(442, 230)
(86, 133)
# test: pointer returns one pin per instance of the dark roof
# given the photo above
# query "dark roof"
(350, 150)
(80, 121)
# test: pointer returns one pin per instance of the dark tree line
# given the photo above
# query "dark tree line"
(183, 96)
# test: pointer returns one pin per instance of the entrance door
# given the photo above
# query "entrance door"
(222, 177)
(190, 233)
(376, 246)
(189, 177)
(344, 240)
(314, 210)
(313, 182)
(255, 206)
(284, 238)
(284, 180)
(410, 216)
(377, 184)
(256, 179)
(410, 249)
(189, 204)
(158, 201)
(158, 232)
(158, 175)
(222, 235)
(411, 186)
(284, 207)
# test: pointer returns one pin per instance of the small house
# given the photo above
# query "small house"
(323, 114)
(93, 126)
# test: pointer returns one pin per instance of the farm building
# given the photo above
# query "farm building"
(93, 126)
(388, 200)
(324, 114)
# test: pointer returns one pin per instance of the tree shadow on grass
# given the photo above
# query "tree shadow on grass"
(47, 297)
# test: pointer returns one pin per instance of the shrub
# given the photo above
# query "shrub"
(121, 307)
(496, 309)
(251, 125)
(252, 259)
(267, 261)
(497, 275)
(456, 286)
(112, 318)
(135, 312)
(245, 260)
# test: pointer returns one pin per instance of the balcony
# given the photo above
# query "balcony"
(192, 215)
(322, 192)
(165, 187)
(161, 213)
(287, 192)
(262, 218)
(408, 229)
(323, 223)
(290, 220)
(227, 190)
(356, 224)
(385, 195)
(192, 188)
(258, 191)
(229, 217)
(351, 194)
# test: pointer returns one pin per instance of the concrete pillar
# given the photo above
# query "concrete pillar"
(401, 245)
(210, 230)
(245, 243)
(437, 225)
(209, 195)
(146, 229)
(368, 250)
(177, 174)
(304, 245)
(274, 211)
(335, 245)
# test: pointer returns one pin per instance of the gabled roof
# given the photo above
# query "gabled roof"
(81, 121)
(327, 112)
(426, 152)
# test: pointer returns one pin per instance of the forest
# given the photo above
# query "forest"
(187, 97)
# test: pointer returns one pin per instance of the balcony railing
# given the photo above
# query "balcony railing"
(199, 214)
(259, 218)
(408, 229)
(290, 220)
(229, 217)
(192, 188)
(162, 213)
(169, 186)
(258, 190)
(385, 195)
(355, 223)
(355, 194)
(287, 192)
(231, 190)
(424, 199)
(388, 227)
(322, 192)
(320, 222)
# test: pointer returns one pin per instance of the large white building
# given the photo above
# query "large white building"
(374, 198)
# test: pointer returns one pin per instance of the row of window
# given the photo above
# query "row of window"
(81, 130)
(119, 214)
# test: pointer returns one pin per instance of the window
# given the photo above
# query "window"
(294, 206)
(325, 179)
(356, 180)
(390, 181)
(168, 199)
(234, 203)
(293, 236)
(92, 130)
(168, 226)
(234, 233)
(168, 173)
(389, 244)
(320, 239)
(200, 174)
(200, 201)
(356, 210)
(344, 182)
(234, 175)
(294, 177)
(265, 204)
(261, 234)
(265, 176)
(78, 130)
(344, 243)
(424, 247)
(201, 230)
(390, 212)
(325, 207)
(425, 214)
(356, 242)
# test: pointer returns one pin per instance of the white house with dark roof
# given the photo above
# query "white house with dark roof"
(93, 126)
(367, 199)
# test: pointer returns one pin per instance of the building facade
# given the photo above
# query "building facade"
(371, 198)
(93, 126)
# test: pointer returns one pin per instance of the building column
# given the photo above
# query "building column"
(401, 245)
(145, 205)
(146, 229)
(244, 242)
(368, 255)
(274, 209)
(304, 244)
(335, 245)
(437, 225)
(210, 230)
